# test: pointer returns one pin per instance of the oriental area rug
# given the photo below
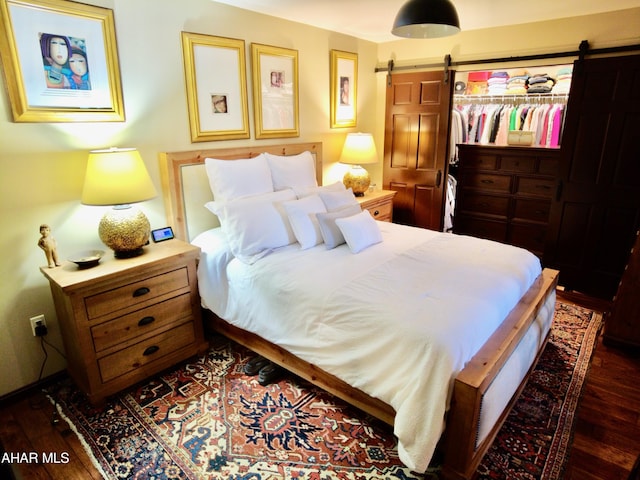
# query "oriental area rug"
(208, 420)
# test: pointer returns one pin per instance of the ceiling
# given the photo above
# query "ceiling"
(372, 19)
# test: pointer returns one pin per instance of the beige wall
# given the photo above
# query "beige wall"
(42, 165)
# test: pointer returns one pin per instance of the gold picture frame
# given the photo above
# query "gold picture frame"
(275, 91)
(60, 61)
(344, 89)
(215, 77)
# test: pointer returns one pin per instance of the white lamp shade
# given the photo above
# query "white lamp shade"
(359, 149)
(116, 176)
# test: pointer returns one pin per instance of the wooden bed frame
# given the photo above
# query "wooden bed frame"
(461, 454)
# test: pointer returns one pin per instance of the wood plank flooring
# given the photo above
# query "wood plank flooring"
(605, 446)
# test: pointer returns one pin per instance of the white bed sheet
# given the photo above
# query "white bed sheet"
(398, 320)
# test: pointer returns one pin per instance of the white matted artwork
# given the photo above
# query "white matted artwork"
(215, 76)
(275, 91)
(344, 89)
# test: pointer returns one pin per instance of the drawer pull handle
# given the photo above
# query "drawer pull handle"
(146, 321)
(486, 181)
(376, 213)
(151, 350)
(141, 291)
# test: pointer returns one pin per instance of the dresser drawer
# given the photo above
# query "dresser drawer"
(479, 203)
(531, 237)
(535, 186)
(536, 210)
(479, 162)
(381, 212)
(480, 227)
(141, 322)
(134, 293)
(146, 352)
(487, 181)
(517, 164)
(549, 165)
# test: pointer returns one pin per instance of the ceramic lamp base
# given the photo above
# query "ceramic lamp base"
(125, 230)
(357, 178)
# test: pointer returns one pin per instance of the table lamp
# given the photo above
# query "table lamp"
(359, 149)
(118, 177)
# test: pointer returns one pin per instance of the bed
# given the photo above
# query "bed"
(452, 394)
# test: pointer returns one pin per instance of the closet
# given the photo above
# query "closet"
(576, 205)
(506, 130)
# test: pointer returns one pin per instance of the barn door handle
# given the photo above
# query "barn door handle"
(559, 191)
(438, 178)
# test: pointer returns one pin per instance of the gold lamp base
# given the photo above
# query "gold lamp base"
(125, 230)
(357, 178)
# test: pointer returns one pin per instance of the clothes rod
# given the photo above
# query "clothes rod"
(581, 52)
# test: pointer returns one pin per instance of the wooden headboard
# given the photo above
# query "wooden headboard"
(185, 185)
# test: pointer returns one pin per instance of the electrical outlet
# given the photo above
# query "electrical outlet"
(37, 321)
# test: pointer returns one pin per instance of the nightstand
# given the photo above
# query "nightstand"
(379, 203)
(127, 319)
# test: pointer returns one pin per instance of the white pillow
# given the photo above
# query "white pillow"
(256, 225)
(331, 234)
(233, 179)
(338, 200)
(302, 216)
(360, 231)
(292, 171)
(332, 187)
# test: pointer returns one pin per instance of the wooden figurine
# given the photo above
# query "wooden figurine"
(48, 244)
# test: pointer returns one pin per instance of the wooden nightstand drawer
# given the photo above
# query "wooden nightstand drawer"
(140, 323)
(145, 352)
(381, 212)
(133, 293)
(379, 203)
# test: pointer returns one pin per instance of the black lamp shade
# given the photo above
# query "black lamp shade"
(426, 19)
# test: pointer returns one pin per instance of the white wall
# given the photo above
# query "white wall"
(42, 164)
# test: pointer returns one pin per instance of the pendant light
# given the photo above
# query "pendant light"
(426, 19)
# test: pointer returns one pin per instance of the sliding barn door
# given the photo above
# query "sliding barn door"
(415, 146)
(597, 209)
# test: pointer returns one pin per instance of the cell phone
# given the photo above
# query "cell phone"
(162, 234)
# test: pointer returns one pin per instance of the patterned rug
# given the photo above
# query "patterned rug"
(207, 420)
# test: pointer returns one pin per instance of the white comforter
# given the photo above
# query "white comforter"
(398, 320)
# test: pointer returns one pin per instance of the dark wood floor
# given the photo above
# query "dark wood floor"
(605, 445)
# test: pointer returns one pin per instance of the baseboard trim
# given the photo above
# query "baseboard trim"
(28, 390)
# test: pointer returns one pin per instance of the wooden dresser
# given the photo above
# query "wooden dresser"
(505, 193)
(379, 203)
(126, 319)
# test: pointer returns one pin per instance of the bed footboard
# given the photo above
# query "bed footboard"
(463, 448)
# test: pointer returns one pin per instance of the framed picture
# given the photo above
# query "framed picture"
(60, 61)
(344, 89)
(275, 91)
(215, 76)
